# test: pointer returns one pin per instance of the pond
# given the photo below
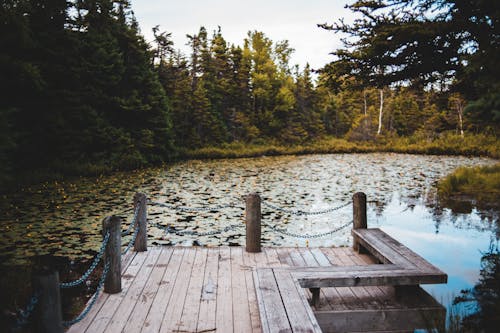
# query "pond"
(64, 219)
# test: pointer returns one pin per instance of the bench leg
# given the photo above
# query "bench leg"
(315, 297)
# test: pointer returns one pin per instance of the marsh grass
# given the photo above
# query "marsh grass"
(481, 184)
(446, 144)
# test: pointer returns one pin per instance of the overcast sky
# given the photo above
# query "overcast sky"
(294, 20)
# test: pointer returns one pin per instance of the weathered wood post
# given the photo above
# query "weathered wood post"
(112, 254)
(141, 242)
(358, 215)
(48, 314)
(253, 217)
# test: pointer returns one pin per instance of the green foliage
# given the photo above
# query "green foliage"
(480, 183)
(424, 43)
(82, 93)
(78, 89)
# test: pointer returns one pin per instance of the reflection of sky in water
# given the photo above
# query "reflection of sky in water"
(456, 247)
(64, 219)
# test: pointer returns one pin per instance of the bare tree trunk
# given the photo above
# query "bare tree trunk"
(457, 102)
(365, 102)
(461, 122)
(381, 111)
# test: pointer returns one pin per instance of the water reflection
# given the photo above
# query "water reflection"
(483, 299)
(64, 219)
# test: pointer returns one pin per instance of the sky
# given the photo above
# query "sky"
(294, 20)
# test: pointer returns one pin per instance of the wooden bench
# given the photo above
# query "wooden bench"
(283, 304)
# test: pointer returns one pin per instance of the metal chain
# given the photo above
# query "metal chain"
(93, 300)
(301, 212)
(89, 271)
(26, 313)
(132, 241)
(134, 220)
(193, 209)
(323, 234)
(170, 230)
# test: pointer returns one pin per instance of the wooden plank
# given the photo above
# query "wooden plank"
(297, 259)
(272, 311)
(378, 320)
(406, 252)
(345, 294)
(363, 278)
(261, 259)
(173, 313)
(299, 313)
(134, 293)
(162, 298)
(382, 245)
(191, 310)
(307, 257)
(272, 257)
(113, 301)
(320, 257)
(310, 260)
(144, 303)
(241, 308)
(363, 296)
(249, 260)
(379, 249)
(224, 311)
(376, 292)
(420, 311)
(284, 256)
(332, 256)
(85, 323)
(208, 305)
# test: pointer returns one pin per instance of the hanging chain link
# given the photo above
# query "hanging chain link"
(193, 209)
(92, 301)
(299, 212)
(89, 271)
(308, 236)
(25, 314)
(132, 241)
(134, 220)
(169, 230)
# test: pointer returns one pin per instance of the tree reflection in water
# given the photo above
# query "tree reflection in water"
(485, 295)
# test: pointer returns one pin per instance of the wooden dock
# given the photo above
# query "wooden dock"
(373, 287)
(195, 289)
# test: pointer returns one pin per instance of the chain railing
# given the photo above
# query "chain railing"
(169, 230)
(193, 209)
(89, 271)
(111, 247)
(299, 212)
(132, 241)
(89, 306)
(133, 222)
(25, 314)
(307, 236)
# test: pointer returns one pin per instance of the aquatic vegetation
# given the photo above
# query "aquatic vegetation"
(481, 184)
(445, 144)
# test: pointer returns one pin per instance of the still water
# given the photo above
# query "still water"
(64, 219)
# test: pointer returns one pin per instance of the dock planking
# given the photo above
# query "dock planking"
(163, 289)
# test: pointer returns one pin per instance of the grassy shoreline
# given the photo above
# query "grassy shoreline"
(449, 144)
(474, 145)
(479, 184)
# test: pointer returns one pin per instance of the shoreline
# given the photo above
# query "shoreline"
(449, 145)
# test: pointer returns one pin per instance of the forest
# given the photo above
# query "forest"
(83, 92)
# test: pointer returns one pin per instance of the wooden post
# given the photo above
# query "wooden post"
(48, 314)
(358, 215)
(253, 216)
(112, 254)
(141, 242)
